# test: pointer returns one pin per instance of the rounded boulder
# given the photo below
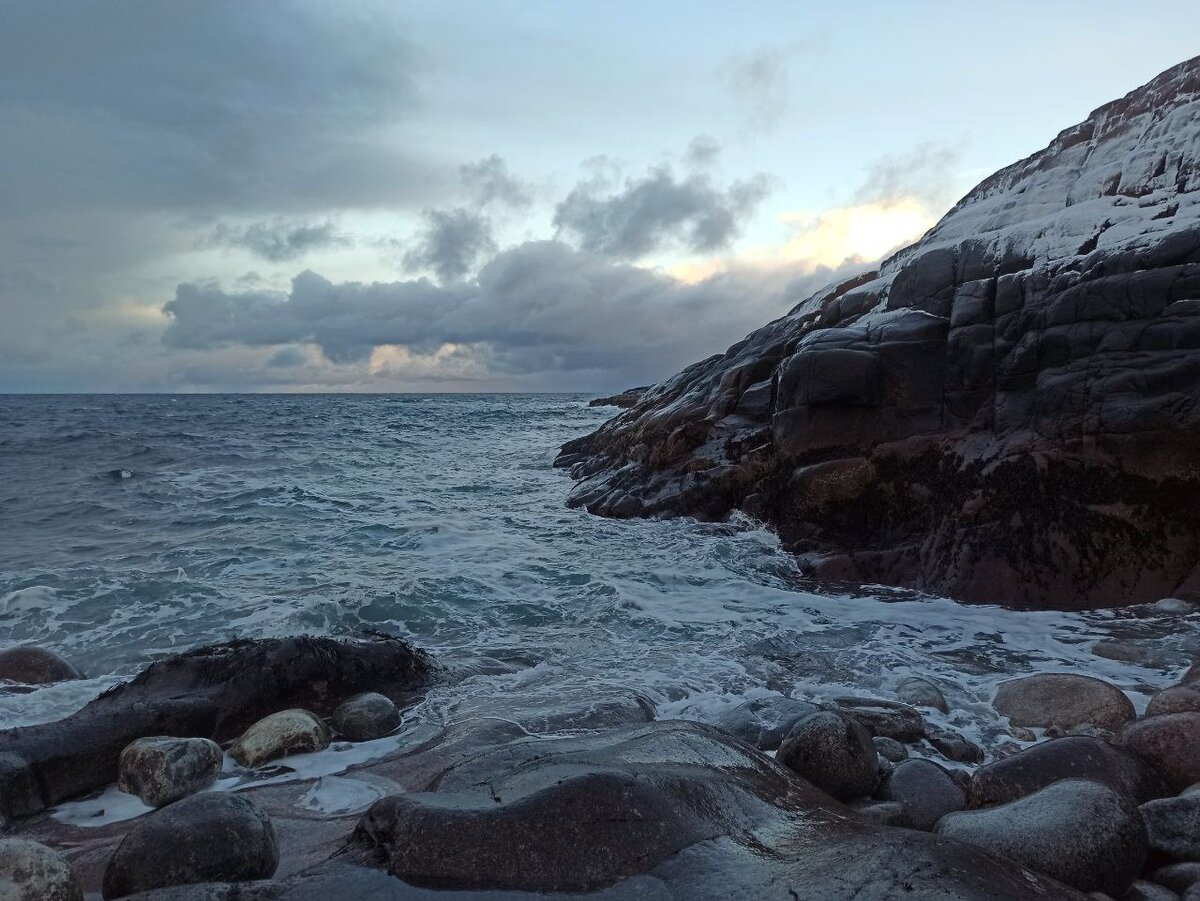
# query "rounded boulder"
(1079, 832)
(889, 719)
(1170, 743)
(32, 872)
(925, 790)
(162, 769)
(35, 666)
(366, 716)
(1063, 700)
(1176, 699)
(921, 692)
(834, 753)
(1173, 826)
(211, 837)
(278, 735)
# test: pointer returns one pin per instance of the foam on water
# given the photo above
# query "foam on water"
(441, 519)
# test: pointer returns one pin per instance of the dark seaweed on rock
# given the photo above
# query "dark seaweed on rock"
(1006, 411)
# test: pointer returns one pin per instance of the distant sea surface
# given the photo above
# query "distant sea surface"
(133, 527)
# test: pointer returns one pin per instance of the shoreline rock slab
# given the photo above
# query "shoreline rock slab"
(1081, 833)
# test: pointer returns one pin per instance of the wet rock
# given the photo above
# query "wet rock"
(627, 398)
(886, 718)
(926, 791)
(1173, 826)
(32, 872)
(1173, 605)
(1148, 891)
(671, 809)
(1125, 651)
(889, 748)
(763, 722)
(1178, 877)
(834, 753)
(35, 666)
(161, 769)
(1176, 699)
(1170, 743)
(213, 692)
(1063, 700)
(1079, 832)
(287, 732)
(1192, 674)
(920, 692)
(210, 837)
(953, 746)
(1071, 757)
(885, 813)
(365, 717)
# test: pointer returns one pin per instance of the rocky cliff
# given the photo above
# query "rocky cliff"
(1007, 411)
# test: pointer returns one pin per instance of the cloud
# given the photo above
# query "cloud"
(490, 182)
(277, 240)
(451, 243)
(656, 211)
(760, 83)
(925, 174)
(542, 307)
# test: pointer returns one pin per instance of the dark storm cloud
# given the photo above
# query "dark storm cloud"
(451, 243)
(540, 307)
(277, 240)
(658, 211)
(925, 173)
(201, 103)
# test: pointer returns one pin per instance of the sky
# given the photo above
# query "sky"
(439, 195)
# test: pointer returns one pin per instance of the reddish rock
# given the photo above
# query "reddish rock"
(1171, 744)
(1063, 700)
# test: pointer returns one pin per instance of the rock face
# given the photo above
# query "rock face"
(160, 769)
(366, 716)
(834, 753)
(278, 735)
(1080, 832)
(214, 692)
(35, 666)
(1063, 700)
(213, 837)
(33, 872)
(1002, 412)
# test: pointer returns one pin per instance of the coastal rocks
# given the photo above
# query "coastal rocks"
(1173, 826)
(834, 753)
(764, 722)
(32, 872)
(1063, 700)
(885, 813)
(953, 746)
(627, 398)
(1176, 699)
(919, 692)
(671, 809)
(1079, 832)
(293, 731)
(925, 790)
(889, 748)
(1178, 877)
(1000, 413)
(214, 692)
(886, 718)
(365, 717)
(35, 666)
(1171, 744)
(211, 837)
(161, 769)
(1070, 757)
(1148, 891)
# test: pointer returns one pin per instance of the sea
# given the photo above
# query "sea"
(133, 527)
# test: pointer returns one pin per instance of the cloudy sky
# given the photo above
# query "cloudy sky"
(223, 195)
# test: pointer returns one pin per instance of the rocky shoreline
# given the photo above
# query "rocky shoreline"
(849, 798)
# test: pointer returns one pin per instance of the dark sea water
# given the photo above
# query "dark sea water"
(132, 527)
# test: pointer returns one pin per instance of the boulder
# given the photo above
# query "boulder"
(1063, 700)
(889, 748)
(366, 716)
(763, 722)
(834, 753)
(1071, 757)
(1079, 832)
(1178, 877)
(210, 837)
(1125, 651)
(162, 769)
(1173, 826)
(1148, 891)
(885, 813)
(1176, 699)
(920, 692)
(953, 746)
(925, 790)
(32, 872)
(213, 692)
(295, 731)
(1170, 743)
(35, 666)
(886, 718)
